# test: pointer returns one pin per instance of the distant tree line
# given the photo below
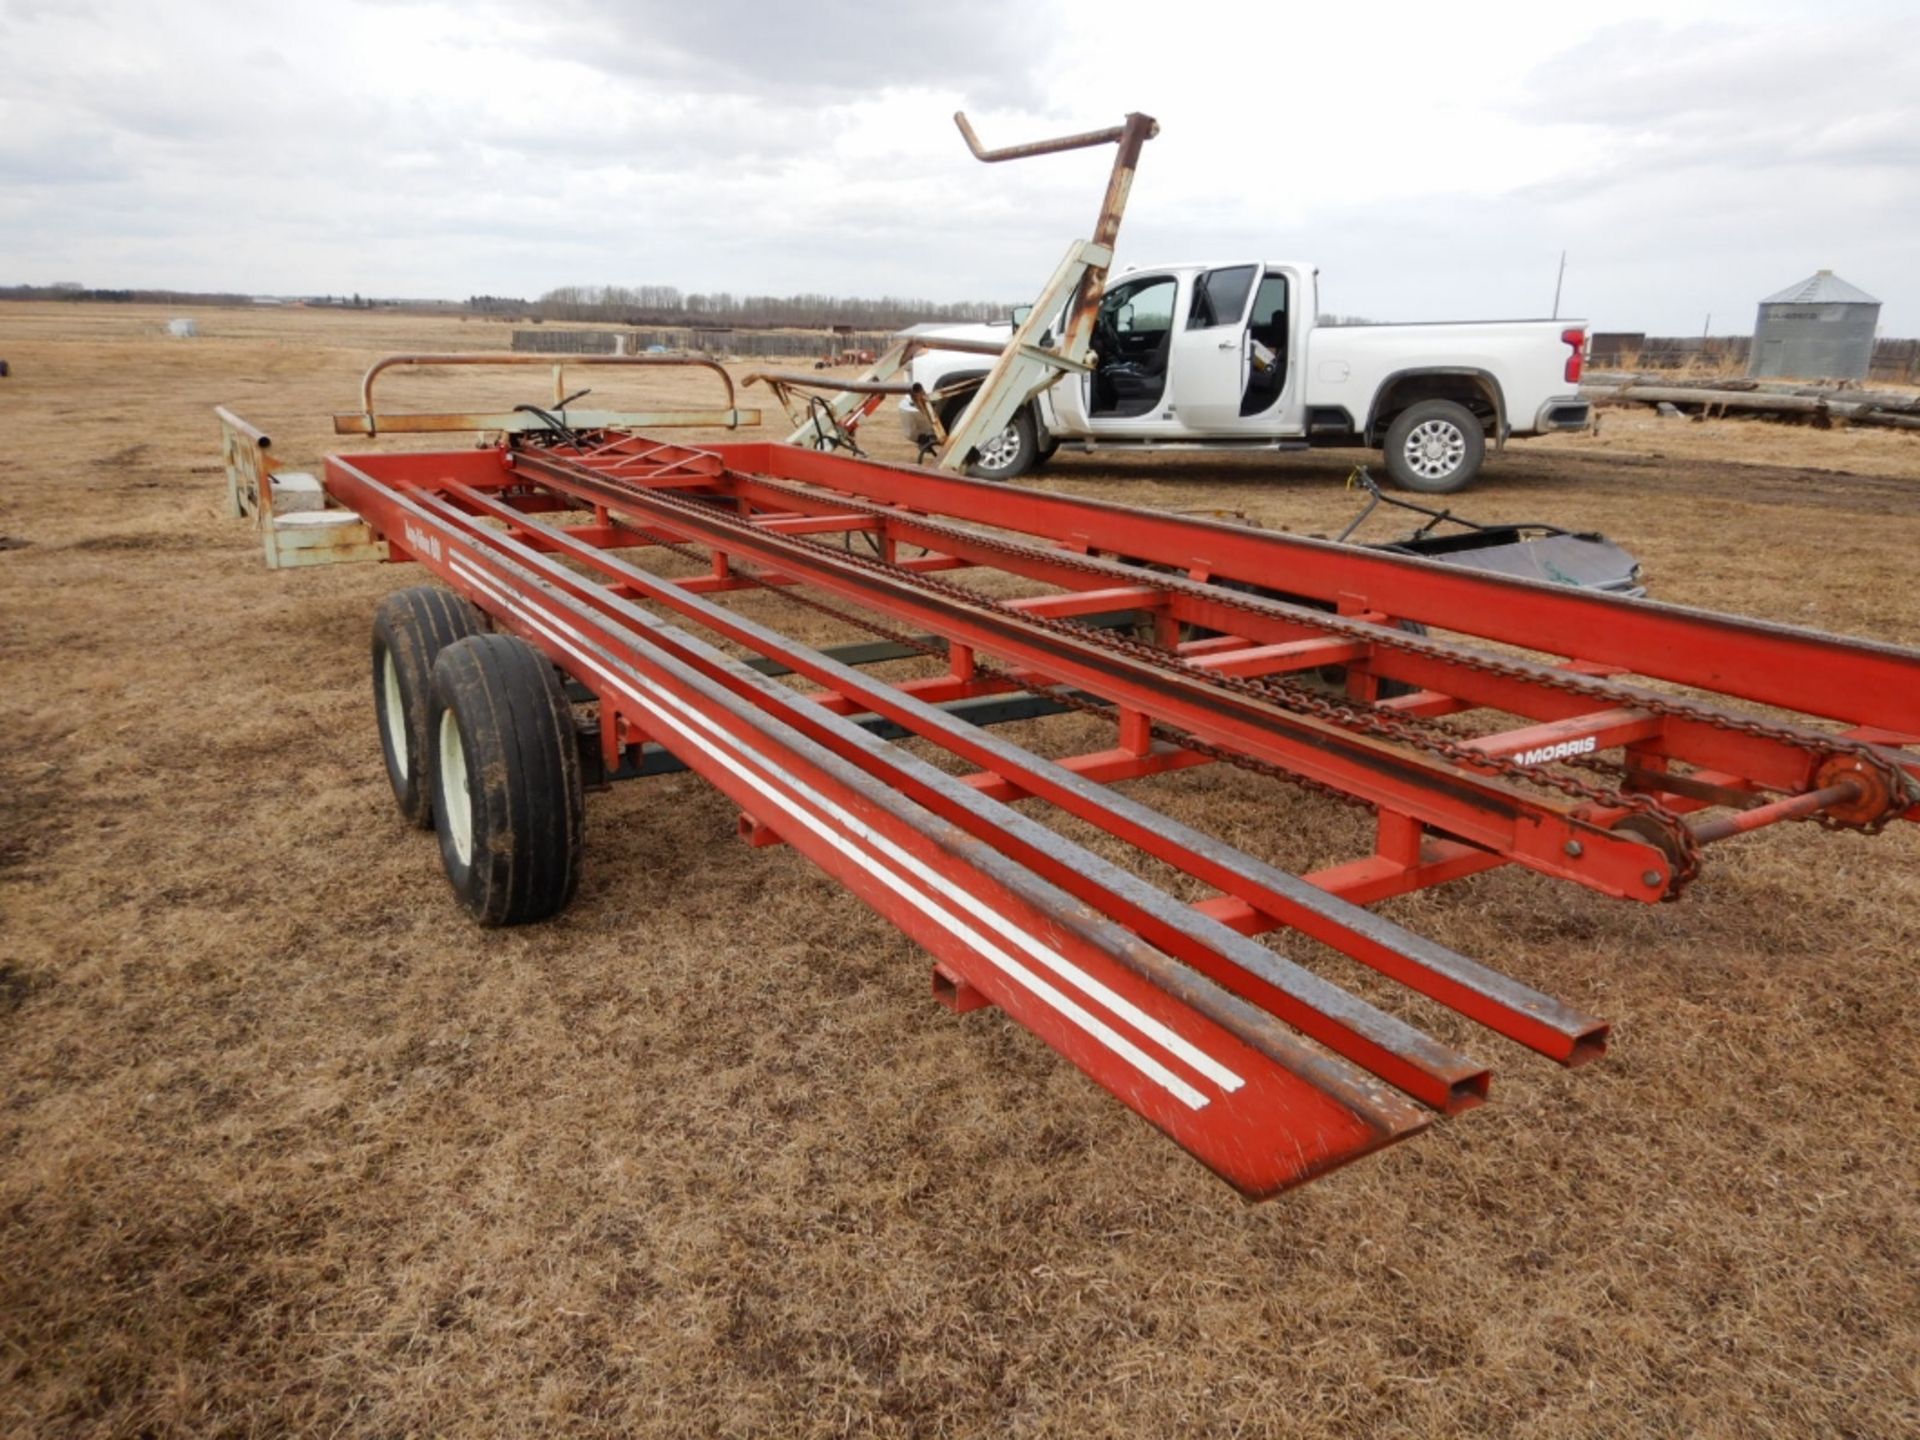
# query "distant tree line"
(121, 297)
(667, 305)
(662, 305)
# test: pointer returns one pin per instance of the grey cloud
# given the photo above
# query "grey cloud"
(61, 154)
(726, 136)
(213, 115)
(60, 168)
(1754, 67)
(819, 49)
(1738, 93)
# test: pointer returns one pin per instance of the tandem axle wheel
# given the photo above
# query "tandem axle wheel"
(480, 746)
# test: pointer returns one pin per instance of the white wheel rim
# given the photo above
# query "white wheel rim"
(999, 452)
(1435, 449)
(393, 717)
(456, 804)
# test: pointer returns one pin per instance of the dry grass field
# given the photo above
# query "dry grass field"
(288, 1147)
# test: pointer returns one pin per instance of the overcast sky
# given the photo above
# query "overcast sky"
(1432, 159)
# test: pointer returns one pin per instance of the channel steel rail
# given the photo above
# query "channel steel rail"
(1613, 743)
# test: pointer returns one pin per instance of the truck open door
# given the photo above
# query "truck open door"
(1211, 359)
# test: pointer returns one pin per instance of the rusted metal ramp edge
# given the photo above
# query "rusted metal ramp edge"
(1229, 1083)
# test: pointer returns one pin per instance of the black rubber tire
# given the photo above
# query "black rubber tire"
(1448, 416)
(1393, 689)
(413, 627)
(1337, 674)
(1023, 454)
(515, 758)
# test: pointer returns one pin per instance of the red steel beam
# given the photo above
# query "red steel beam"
(1861, 682)
(1446, 673)
(1513, 1009)
(1447, 676)
(1491, 812)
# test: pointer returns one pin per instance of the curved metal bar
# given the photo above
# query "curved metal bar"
(799, 381)
(1083, 141)
(558, 362)
(943, 342)
(242, 427)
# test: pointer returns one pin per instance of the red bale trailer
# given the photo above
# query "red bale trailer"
(1607, 742)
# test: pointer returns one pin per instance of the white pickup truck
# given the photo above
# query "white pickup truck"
(1217, 357)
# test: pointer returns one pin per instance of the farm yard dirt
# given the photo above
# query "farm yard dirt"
(287, 1146)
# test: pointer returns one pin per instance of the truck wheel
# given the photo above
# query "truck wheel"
(1008, 455)
(1435, 447)
(410, 629)
(506, 780)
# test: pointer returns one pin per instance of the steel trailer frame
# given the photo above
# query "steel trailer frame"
(1266, 1071)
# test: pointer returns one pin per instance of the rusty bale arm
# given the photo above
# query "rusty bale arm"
(1026, 367)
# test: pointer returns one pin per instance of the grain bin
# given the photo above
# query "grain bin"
(1819, 329)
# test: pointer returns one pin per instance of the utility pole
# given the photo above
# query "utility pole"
(1557, 281)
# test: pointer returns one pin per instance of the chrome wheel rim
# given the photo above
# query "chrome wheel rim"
(1435, 448)
(1002, 450)
(456, 803)
(393, 713)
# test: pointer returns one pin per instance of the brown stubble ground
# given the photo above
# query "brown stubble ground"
(287, 1147)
